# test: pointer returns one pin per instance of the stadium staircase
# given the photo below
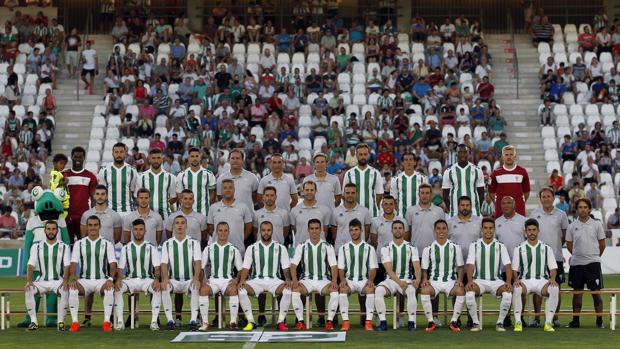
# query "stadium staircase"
(73, 116)
(523, 127)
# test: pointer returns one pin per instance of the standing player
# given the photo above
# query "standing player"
(233, 211)
(180, 270)
(306, 210)
(534, 263)
(81, 184)
(111, 222)
(357, 267)
(53, 261)
(284, 184)
(442, 271)
(343, 215)
(120, 178)
(553, 224)
(463, 179)
(245, 181)
(196, 221)
(367, 179)
(152, 220)
(381, 227)
(399, 258)
(510, 180)
(485, 260)
(96, 260)
(161, 184)
(405, 186)
(221, 262)
(317, 260)
(279, 217)
(464, 227)
(199, 180)
(585, 240)
(143, 274)
(421, 219)
(328, 190)
(265, 259)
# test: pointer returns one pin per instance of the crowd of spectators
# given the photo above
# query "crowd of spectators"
(323, 87)
(30, 54)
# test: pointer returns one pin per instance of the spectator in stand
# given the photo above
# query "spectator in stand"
(613, 222)
(486, 90)
(542, 31)
(587, 40)
(547, 117)
(593, 193)
(556, 182)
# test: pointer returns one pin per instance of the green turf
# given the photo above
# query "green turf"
(143, 338)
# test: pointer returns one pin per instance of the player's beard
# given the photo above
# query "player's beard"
(362, 162)
(119, 161)
(51, 238)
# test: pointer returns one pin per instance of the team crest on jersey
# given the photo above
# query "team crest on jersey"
(417, 213)
(499, 225)
(454, 226)
(539, 217)
(262, 216)
(341, 214)
(300, 211)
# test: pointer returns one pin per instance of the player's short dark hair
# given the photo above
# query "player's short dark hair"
(362, 145)
(94, 218)
(155, 151)
(440, 221)
(181, 217)
(60, 157)
(222, 223)
(487, 220)
(50, 222)
(120, 145)
(187, 191)
(228, 180)
(350, 185)
(270, 187)
(415, 157)
(309, 182)
(193, 150)
(266, 223)
(425, 185)
(388, 197)
(237, 150)
(314, 221)
(101, 187)
(142, 191)
(138, 221)
(355, 223)
(465, 198)
(398, 221)
(78, 150)
(531, 221)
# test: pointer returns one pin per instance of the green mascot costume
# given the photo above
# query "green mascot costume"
(47, 206)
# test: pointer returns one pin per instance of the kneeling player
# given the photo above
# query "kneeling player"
(180, 271)
(535, 265)
(318, 261)
(52, 259)
(357, 266)
(265, 258)
(143, 270)
(221, 262)
(399, 258)
(442, 272)
(97, 263)
(484, 261)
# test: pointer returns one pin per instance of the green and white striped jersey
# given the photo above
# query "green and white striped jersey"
(50, 260)
(402, 258)
(180, 256)
(201, 183)
(316, 260)
(533, 262)
(357, 260)
(121, 183)
(162, 187)
(488, 259)
(266, 261)
(221, 262)
(463, 181)
(369, 184)
(405, 191)
(94, 257)
(441, 262)
(140, 260)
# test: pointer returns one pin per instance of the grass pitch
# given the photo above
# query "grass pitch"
(93, 338)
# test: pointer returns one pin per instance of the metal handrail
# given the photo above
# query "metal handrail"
(515, 59)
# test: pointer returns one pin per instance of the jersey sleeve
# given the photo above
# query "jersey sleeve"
(155, 257)
(247, 215)
(92, 184)
(394, 189)
(101, 176)
(471, 255)
(385, 255)
(205, 257)
(248, 259)
(425, 258)
(297, 256)
(168, 223)
(218, 186)
(118, 221)
(66, 258)
(159, 223)
(238, 260)
(126, 223)
(503, 252)
(600, 233)
(261, 186)
(172, 189)
(341, 258)
(179, 182)
(445, 183)
(493, 185)
(346, 180)
(291, 185)
(122, 262)
(563, 221)
(516, 265)
(372, 259)
(379, 184)
(337, 187)
(203, 222)
(525, 184)
(569, 233)
(164, 253)
(367, 217)
(83, 219)
(480, 181)
(254, 183)
(210, 219)
(285, 261)
(331, 256)
(459, 256)
(415, 255)
(75, 253)
(196, 253)
(374, 230)
(551, 263)
(111, 253)
(32, 260)
(133, 182)
(211, 181)
(327, 215)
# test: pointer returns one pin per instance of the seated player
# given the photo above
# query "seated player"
(221, 262)
(357, 267)
(143, 274)
(52, 259)
(94, 257)
(485, 259)
(535, 267)
(180, 271)
(265, 258)
(399, 258)
(317, 259)
(442, 272)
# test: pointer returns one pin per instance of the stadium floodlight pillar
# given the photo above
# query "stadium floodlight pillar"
(395, 314)
(612, 311)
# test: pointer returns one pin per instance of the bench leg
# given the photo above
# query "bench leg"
(220, 312)
(395, 311)
(132, 309)
(480, 312)
(308, 310)
(2, 310)
(445, 309)
(612, 310)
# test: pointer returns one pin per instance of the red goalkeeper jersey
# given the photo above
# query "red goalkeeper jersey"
(80, 185)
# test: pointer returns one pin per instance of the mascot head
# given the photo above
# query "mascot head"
(47, 203)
